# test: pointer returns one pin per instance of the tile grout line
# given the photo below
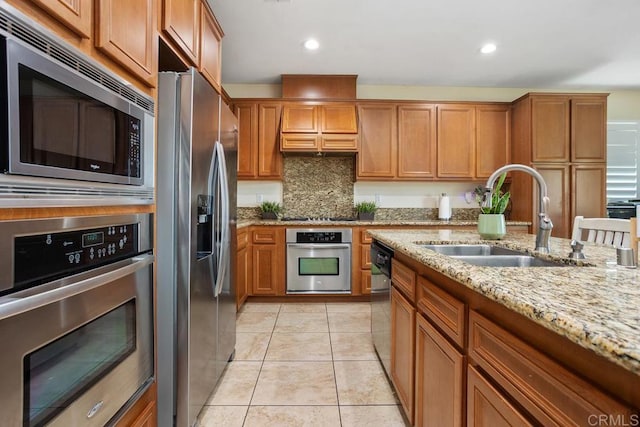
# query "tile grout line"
(333, 365)
(244, 421)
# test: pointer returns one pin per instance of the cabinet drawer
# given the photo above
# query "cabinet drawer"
(404, 278)
(243, 239)
(549, 392)
(447, 312)
(264, 236)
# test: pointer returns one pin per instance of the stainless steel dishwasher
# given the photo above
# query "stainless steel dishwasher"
(381, 257)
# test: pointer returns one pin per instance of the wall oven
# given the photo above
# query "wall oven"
(318, 260)
(63, 116)
(76, 318)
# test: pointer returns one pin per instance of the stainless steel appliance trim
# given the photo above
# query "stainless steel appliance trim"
(319, 284)
(320, 245)
(14, 24)
(15, 304)
(46, 323)
(24, 227)
(291, 233)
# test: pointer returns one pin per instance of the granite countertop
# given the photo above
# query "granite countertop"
(594, 302)
(453, 223)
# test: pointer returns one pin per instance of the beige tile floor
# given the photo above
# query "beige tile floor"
(303, 364)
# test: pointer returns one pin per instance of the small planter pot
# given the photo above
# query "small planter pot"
(269, 215)
(366, 216)
(492, 226)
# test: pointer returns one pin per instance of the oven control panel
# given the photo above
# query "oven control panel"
(54, 254)
(319, 237)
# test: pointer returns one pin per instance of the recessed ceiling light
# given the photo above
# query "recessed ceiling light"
(311, 44)
(488, 48)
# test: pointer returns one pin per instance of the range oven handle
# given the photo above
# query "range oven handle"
(20, 305)
(319, 246)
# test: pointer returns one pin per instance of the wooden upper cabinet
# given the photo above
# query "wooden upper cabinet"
(377, 157)
(181, 23)
(300, 119)
(269, 157)
(247, 115)
(74, 14)
(589, 129)
(299, 142)
(338, 119)
(550, 128)
(327, 118)
(210, 47)
(126, 32)
(259, 140)
(339, 142)
(456, 141)
(493, 138)
(416, 141)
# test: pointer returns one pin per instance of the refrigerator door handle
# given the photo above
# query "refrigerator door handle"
(223, 218)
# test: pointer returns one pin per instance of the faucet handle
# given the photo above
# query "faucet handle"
(576, 250)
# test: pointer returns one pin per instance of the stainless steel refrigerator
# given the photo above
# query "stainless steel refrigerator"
(196, 220)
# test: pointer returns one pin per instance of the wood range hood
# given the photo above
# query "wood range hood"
(319, 115)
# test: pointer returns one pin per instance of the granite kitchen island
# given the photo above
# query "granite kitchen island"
(574, 325)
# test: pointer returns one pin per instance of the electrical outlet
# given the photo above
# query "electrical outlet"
(259, 198)
(376, 198)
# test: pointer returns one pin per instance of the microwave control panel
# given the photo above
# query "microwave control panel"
(53, 255)
(134, 147)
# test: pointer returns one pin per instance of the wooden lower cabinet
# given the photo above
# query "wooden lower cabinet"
(402, 350)
(439, 382)
(487, 407)
(452, 366)
(143, 413)
(148, 416)
(244, 268)
(268, 260)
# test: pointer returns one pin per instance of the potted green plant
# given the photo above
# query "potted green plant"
(270, 210)
(366, 210)
(491, 223)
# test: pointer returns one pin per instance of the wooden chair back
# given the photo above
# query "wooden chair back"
(609, 231)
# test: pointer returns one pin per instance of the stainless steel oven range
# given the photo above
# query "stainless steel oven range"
(76, 318)
(318, 260)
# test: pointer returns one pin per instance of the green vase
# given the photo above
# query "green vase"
(491, 226)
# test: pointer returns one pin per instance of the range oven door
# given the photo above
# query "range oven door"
(77, 349)
(318, 268)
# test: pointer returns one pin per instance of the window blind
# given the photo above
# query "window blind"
(623, 144)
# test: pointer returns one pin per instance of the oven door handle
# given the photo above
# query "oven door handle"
(20, 305)
(319, 246)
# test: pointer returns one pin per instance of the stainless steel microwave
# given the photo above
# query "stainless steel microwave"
(59, 122)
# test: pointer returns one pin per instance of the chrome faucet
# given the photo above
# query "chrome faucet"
(544, 222)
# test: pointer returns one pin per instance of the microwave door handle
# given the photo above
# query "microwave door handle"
(17, 306)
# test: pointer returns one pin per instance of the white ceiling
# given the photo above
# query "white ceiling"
(563, 44)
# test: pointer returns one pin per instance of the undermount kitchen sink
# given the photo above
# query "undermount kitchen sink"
(492, 256)
(478, 250)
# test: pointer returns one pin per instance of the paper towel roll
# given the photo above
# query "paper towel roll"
(444, 209)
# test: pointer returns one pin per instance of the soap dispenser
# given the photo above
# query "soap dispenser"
(444, 208)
